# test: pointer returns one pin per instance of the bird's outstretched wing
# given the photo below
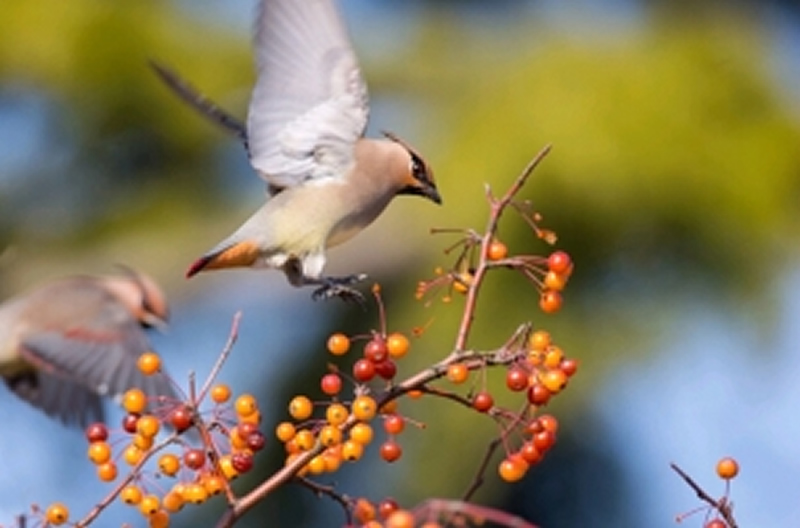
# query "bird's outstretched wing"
(309, 104)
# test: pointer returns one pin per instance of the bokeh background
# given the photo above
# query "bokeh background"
(674, 182)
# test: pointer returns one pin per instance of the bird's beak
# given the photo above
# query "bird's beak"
(432, 193)
(153, 321)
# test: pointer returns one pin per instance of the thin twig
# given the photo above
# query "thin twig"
(477, 481)
(330, 491)
(434, 508)
(226, 351)
(722, 505)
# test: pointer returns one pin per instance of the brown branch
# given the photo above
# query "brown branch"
(330, 491)
(433, 508)
(226, 351)
(477, 481)
(723, 506)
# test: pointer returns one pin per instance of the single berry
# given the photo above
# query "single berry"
(364, 408)
(107, 471)
(497, 250)
(386, 369)
(375, 350)
(149, 505)
(57, 514)
(553, 356)
(727, 468)
(555, 281)
(338, 344)
(97, 432)
(331, 384)
(300, 408)
(285, 431)
(482, 401)
(256, 441)
(512, 469)
(554, 380)
(131, 495)
(169, 464)
(148, 425)
(569, 367)
(530, 454)
(172, 501)
(397, 344)
(391, 451)
(544, 440)
(394, 424)
(242, 462)
(540, 340)
(304, 439)
(149, 363)
(181, 418)
(550, 302)
(516, 379)
(386, 507)
(336, 414)
(194, 458)
(457, 373)
(134, 401)
(363, 370)
(246, 405)
(352, 451)
(129, 422)
(538, 394)
(99, 452)
(361, 433)
(220, 393)
(401, 519)
(559, 262)
(330, 435)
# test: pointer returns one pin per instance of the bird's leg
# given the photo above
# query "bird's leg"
(337, 287)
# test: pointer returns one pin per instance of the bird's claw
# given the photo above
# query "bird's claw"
(340, 287)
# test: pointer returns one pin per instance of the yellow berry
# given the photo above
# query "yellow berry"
(352, 451)
(149, 505)
(364, 408)
(397, 344)
(330, 435)
(361, 433)
(336, 414)
(99, 452)
(304, 439)
(134, 401)
(285, 431)
(131, 495)
(169, 464)
(57, 514)
(300, 408)
(226, 467)
(132, 455)
(148, 425)
(107, 471)
(149, 363)
(220, 393)
(214, 484)
(338, 344)
(246, 405)
(316, 466)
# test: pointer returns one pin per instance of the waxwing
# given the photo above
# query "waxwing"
(304, 137)
(67, 343)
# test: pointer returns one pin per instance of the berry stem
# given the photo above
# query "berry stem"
(722, 506)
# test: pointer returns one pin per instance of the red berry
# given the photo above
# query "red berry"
(544, 440)
(386, 369)
(242, 462)
(97, 432)
(569, 366)
(194, 458)
(482, 401)
(129, 422)
(394, 424)
(181, 418)
(516, 379)
(559, 262)
(256, 441)
(716, 523)
(386, 507)
(538, 394)
(391, 451)
(363, 370)
(530, 454)
(375, 350)
(331, 384)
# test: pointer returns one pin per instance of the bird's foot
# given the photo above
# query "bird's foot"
(340, 287)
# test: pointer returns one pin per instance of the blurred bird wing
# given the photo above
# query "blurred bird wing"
(70, 402)
(309, 104)
(98, 346)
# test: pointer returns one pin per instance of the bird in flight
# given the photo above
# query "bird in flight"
(69, 342)
(305, 137)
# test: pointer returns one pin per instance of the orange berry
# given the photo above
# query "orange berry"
(131, 495)
(338, 344)
(132, 455)
(214, 484)
(512, 469)
(550, 302)
(285, 431)
(220, 393)
(415, 394)
(330, 435)
(169, 464)
(300, 408)
(554, 380)
(553, 357)
(149, 363)
(149, 505)
(555, 281)
(142, 442)
(352, 451)
(57, 514)
(497, 250)
(548, 422)
(462, 282)
(99, 452)
(254, 418)
(148, 425)
(400, 519)
(316, 466)
(172, 501)
(245, 405)
(364, 408)
(361, 433)
(332, 458)
(134, 401)
(304, 439)
(389, 407)
(457, 373)
(195, 493)
(727, 468)
(539, 340)
(159, 519)
(397, 344)
(364, 511)
(107, 472)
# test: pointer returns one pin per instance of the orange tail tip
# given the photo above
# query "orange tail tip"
(242, 254)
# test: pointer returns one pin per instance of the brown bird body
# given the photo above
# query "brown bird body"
(67, 343)
(304, 136)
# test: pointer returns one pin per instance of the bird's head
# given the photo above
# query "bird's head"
(142, 296)
(419, 181)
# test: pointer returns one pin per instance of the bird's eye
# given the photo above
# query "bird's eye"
(417, 168)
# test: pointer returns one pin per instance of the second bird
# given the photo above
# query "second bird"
(304, 134)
